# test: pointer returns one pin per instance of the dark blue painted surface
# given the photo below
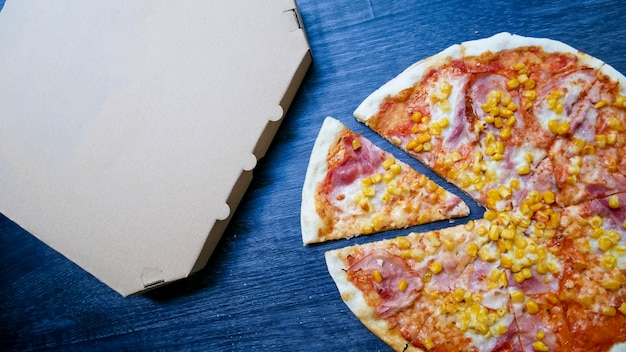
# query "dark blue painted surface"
(262, 290)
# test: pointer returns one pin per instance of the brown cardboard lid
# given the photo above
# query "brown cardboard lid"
(129, 129)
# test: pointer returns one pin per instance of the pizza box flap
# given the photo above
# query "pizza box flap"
(129, 129)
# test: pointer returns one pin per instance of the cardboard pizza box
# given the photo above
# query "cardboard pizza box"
(129, 129)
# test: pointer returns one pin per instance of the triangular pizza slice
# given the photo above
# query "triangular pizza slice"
(442, 290)
(353, 187)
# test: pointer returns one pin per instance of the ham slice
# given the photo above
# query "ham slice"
(392, 270)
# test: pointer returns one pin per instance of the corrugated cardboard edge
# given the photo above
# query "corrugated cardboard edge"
(246, 176)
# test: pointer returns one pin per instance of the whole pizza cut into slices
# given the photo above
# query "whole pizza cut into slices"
(535, 131)
(353, 187)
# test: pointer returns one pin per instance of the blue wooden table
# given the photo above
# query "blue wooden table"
(262, 289)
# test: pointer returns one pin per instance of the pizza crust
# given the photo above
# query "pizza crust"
(616, 76)
(369, 107)
(310, 221)
(355, 301)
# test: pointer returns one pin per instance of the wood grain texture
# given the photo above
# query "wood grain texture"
(262, 289)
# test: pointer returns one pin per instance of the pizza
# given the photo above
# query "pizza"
(352, 187)
(535, 131)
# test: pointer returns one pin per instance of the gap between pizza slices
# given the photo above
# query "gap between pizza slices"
(533, 130)
(353, 187)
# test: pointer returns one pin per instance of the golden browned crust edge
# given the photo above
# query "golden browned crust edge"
(354, 299)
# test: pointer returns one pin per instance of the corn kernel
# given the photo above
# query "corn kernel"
(369, 191)
(402, 285)
(376, 178)
(388, 176)
(497, 122)
(403, 243)
(563, 128)
(418, 254)
(596, 221)
(612, 285)
(518, 66)
(410, 145)
(600, 140)
(529, 94)
(548, 197)
(609, 261)
(600, 104)
(611, 138)
(436, 267)
(428, 343)
(396, 169)
(490, 215)
(505, 112)
(423, 138)
(472, 249)
(622, 308)
(523, 169)
(388, 162)
(484, 253)
(613, 202)
(481, 230)
(416, 117)
(494, 232)
(605, 244)
(513, 83)
(532, 307)
(508, 233)
(431, 186)
(377, 276)
(542, 268)
(356, 144)
(609, 311)
(494, 194)
(553, 126)
(505, 133)
(615, 124)
(517, 296)
(522, 78)
(445, 88)
(541, 334)
(458, 294)
(540, 346)
(586, 301)
(506, 262)
(529, 83)
(614, 236)
(518, 277)
(377, 223)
